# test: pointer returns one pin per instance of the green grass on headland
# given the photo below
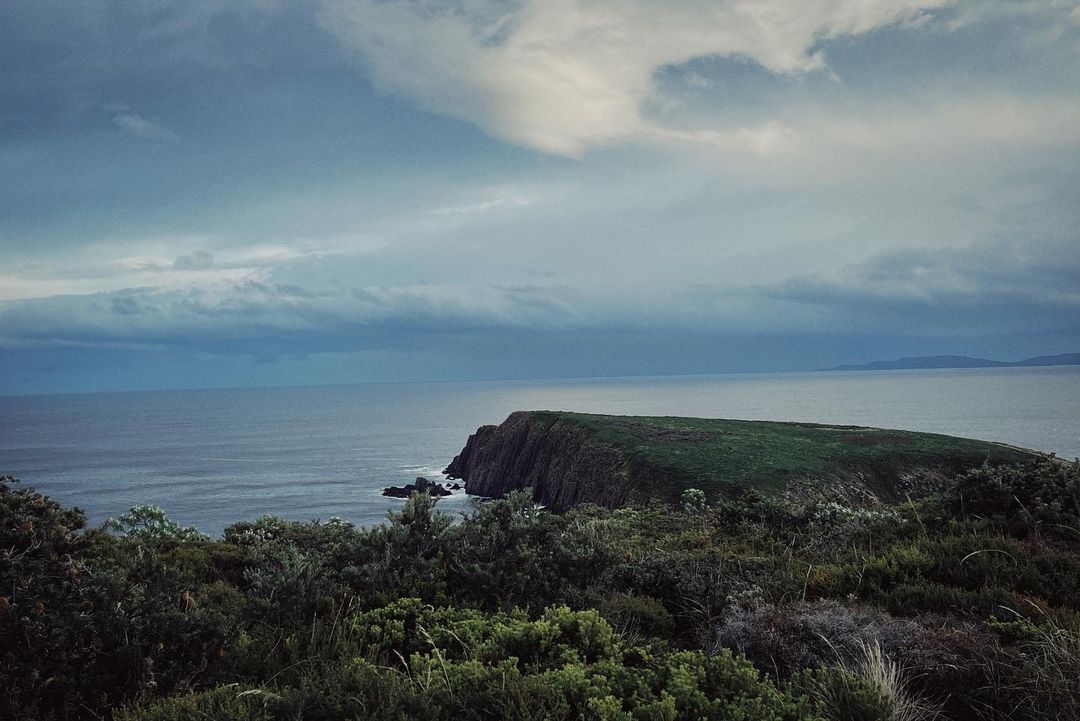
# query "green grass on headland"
(716, 455)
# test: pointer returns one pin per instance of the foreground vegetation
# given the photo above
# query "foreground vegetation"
(965, 604)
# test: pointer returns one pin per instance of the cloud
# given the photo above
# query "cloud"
(268, 318)
(197, 260)
(143, 127)
(1001, 287)
(481, 206)
(982, 10)
(564, 75)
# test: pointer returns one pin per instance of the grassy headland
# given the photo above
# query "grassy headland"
(666, 455)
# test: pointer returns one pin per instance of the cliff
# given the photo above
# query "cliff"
(571, 458)
(558, 460)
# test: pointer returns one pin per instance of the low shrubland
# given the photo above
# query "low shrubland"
(965, 604)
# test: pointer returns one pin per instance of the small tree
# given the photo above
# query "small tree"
(693, 500)
(149, 523)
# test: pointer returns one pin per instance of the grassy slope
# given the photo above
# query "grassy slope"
(713, 453)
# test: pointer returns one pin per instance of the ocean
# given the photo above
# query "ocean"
(213, 457)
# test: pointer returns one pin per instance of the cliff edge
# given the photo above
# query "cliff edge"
(571, 458)
(557, 459)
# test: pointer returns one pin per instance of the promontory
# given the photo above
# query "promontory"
(571, 458)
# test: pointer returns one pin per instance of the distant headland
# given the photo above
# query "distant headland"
(959, 361)
(565, 459)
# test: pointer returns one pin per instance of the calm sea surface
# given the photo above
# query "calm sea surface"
(214, 457)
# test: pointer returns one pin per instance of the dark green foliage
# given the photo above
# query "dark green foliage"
(1034, 671)
(1041, 500)
(515, 612)
(150, 523)
(48, 613)
(842, 696)
(225, 703)
(636, 615)
(91, 619)
(439, 663)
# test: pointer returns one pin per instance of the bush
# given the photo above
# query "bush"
(418, 661)
(227, 703)
(636, 615)
(693, 500)
(149, 523)
(51, 616)
(1041, 499)
(869, 688)
(784, 639)
(1035, 673)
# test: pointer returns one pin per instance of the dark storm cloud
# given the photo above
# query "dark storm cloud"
(267, 319)
(1014, 286)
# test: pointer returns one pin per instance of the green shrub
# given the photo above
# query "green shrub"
(871, 687)
(693, 500)
(636, 614)
(840, 695)
(1034, 673)
(149, 523)
(227, 703)
(1041, 499)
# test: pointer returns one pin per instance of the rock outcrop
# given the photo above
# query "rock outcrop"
(557, 460)
(420, 485)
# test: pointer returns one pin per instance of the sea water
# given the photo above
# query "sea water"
(213, 457)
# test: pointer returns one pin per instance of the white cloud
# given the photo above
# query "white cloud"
(992, 133)
(196, 260)
(163, 263)
(564, 75)
(483, 205)
(143, 127)
(263, 316)
(997, 287)
(976, 11)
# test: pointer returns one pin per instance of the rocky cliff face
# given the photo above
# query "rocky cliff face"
(558, 461)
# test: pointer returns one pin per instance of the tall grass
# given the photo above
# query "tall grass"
(870, 687)
(1040, 677)
(887, 678)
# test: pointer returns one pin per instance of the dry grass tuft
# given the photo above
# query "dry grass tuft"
(886, 677)
(870, 687)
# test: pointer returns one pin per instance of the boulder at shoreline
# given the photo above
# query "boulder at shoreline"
(420, 485)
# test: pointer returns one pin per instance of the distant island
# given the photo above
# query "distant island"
(959, 361)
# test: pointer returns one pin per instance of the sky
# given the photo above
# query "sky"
(200, 193)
